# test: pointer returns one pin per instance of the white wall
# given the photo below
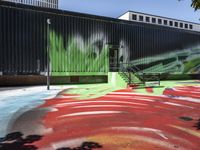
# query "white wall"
(128, 16)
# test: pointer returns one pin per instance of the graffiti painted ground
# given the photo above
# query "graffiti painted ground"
(103, 117)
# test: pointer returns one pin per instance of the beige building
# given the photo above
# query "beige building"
(40, 3)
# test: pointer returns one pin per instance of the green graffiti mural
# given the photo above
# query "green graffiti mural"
(81, 56)
(185, 61)
(78, 55)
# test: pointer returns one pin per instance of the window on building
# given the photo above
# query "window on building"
(153, 20)
(171, 23)
(141, 18)
(159, 21)
(191, 26)
(165, 22)
(176, 24)
(147, 19)
(186, 26)
(134, 17)
(181, 25)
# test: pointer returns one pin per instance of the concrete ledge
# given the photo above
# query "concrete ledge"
(21, 80)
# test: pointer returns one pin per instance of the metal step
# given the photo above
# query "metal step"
(130, 73)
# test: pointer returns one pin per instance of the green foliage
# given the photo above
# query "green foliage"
(76, 58)
(195, 4)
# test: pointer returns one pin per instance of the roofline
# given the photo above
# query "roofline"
(124, 13)
(82, 15)
(56, 11)
(159, 17)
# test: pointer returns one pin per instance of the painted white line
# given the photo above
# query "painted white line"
(68, 143)
(125, 93)
(111, 106)
(155, 131)
(90, 113)
(186, 90)
(132, 97)
(63, 96)
(86, 102)
(113, 95)
(175, 104)
(189, 99)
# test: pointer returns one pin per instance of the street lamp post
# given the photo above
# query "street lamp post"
(48, 48)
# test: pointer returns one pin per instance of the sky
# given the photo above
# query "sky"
(114, 8)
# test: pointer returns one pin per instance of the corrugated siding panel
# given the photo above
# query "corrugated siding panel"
(79, 44)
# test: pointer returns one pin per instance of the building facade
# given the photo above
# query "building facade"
(40, 3)
(159, 20)
(82, 44)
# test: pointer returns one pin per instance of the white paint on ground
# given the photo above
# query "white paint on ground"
(182, 90)
(15, 102)
(131, 97)
(110, 106)
(67, 97)
(189, 99)
(91, 113)
(140, 129)
(122, 96)
(68, 143)
(175, 104)
(125, 93)
(97, 101)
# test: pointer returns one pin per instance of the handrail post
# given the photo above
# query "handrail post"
(159, 78)
(143, 74)
(48, 48)
(129, 77)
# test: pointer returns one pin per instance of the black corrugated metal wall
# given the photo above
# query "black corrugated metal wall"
(23, 39)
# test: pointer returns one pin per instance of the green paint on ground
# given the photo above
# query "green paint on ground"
(158, 90)
(89, 91)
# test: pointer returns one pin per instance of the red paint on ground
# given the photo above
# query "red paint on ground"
(123, 120)
(187, 91)
(149, 89)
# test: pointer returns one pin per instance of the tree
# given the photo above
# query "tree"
(196, 4)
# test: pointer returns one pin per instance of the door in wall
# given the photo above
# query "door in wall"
(113, 60)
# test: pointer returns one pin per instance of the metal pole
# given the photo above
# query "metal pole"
(159, 78)
(129, 77)
(48, 47)
(143, 76)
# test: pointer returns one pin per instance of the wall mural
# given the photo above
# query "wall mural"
(185, 61)
(79, 55)
(92, 55)
(83, 55)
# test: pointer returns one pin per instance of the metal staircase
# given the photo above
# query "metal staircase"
(132, 75)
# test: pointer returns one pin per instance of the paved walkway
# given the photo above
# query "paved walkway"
(102, 117)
